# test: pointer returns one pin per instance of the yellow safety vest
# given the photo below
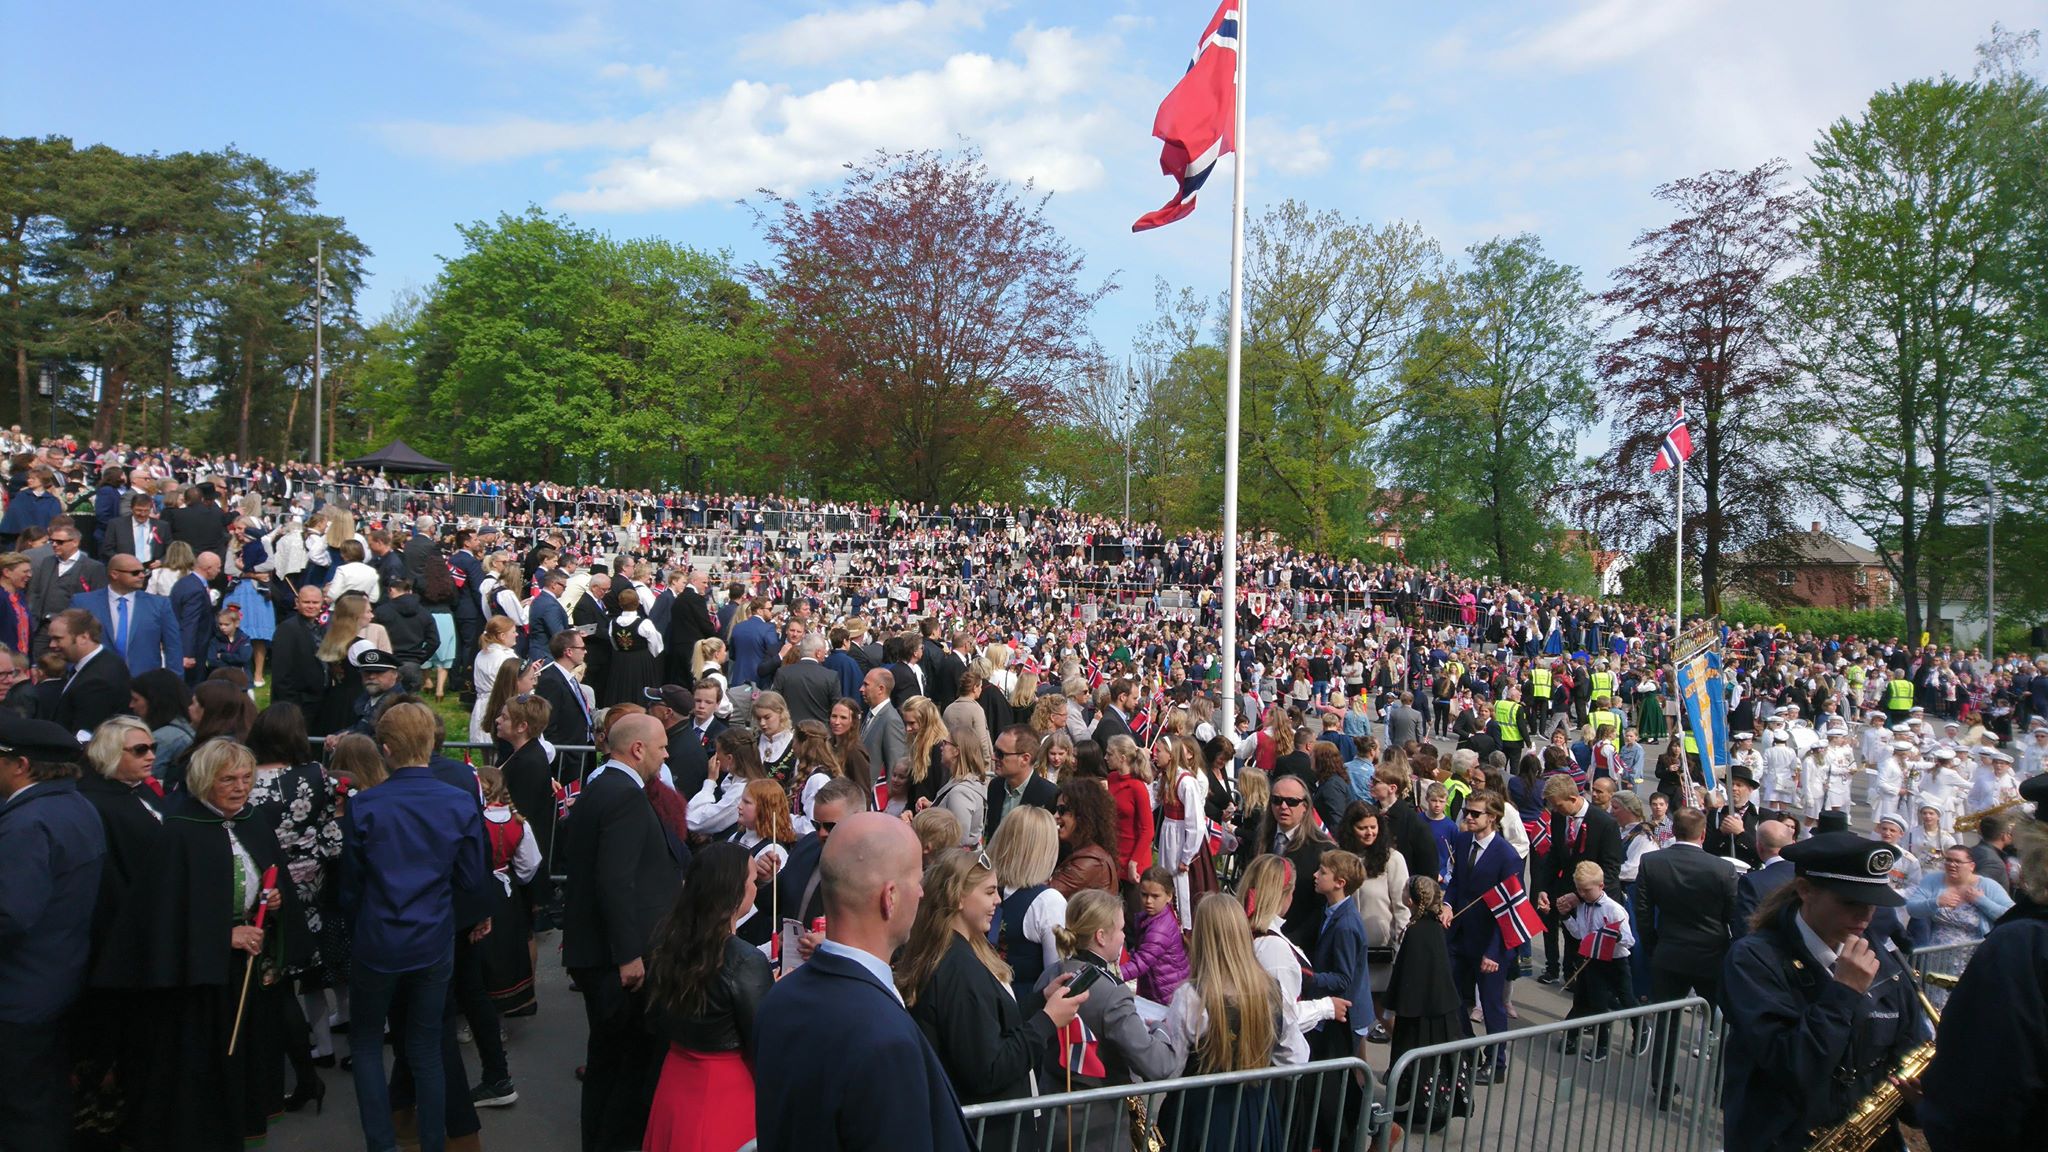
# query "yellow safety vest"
(1691, 749)
(1610, 716)
(1603, 684)
(1900, 698)
(1456, 670)
(1539, 683)
(1508, 714)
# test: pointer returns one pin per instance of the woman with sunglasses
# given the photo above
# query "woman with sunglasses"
(1087, 823)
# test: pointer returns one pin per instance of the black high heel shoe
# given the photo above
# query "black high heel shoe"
(311, 1088)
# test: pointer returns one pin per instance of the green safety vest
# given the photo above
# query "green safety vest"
(1508, 714)
(1900, 698)
(1539, 683)
(1603, 684)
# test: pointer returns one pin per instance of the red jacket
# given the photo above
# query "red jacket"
(1133, 800)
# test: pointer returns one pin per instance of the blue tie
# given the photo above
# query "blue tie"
(121, 625)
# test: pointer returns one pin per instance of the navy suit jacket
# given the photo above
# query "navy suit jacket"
(153, 637)
(544, 617)
(1475, 932)
(193, 606)
(52, 848)
(843, 1068)
(754, 645)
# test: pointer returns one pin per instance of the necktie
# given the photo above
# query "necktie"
(121, 625)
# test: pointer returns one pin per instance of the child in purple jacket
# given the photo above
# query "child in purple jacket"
(1159, 961)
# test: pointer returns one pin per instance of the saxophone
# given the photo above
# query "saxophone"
(1872, 1118)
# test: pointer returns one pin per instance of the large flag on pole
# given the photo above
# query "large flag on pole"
(1677, 447)
(1197, 119)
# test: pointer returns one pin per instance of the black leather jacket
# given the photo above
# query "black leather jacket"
(726, 1022)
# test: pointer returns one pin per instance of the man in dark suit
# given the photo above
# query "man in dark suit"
(1579, 830)
(901, 653)
(1755, 885)
(754, 645)
(545, 616)
(833, 1038)
(1115, 719)
(421, 549)
(140, 627)
(1731, 830)
(593, 617)
(930, 654)
(200, 523)
(1685, 905)
(1289, 830)
(624, 872)
(56, 579)
(842, 663)
(807, 685)
(1401, 822)
(192, 604)
(139, 534)
(569, 723)
(468, 576)
(98, 685)
(296, 674)
(690, 622)
(1016, 784)
(1481, 858)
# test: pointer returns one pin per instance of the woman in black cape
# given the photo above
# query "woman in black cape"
(1420, 995)
(185, 935)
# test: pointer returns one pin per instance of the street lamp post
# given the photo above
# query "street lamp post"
(1130, 398)
(320, 287)
(47, 385)
(1990, 571)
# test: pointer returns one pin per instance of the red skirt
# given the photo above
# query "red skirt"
(704, 1103)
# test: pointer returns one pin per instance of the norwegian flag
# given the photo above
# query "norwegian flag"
(1511, 909)
(1197, 121)
(1141, 724)
(1677, 447)
(1539, 836)
(1078, 1052)
(1603, 944)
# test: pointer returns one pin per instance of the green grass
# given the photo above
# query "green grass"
(450, 709)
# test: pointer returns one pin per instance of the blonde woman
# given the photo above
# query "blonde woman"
(350, 632)
(817, 765)
(1025, 851)
(965, 792)
(926, 733)
(1184, 832)
(775, 736)
(1024, 697)
(999, 673)
(499, 593)
(958, 990)
(1130, 1050)
(177, 563)
(496, 647)
(1228, 1017)
(1266, 890)
(707, 662)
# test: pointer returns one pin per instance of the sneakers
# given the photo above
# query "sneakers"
(463, 1034)
(494, 1095)
(1550, 976)
(1639, 1043)
(1597, 1054)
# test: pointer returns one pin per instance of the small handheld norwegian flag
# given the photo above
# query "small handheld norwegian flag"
(1078, 1052)
(1603, 943)
(1539, 836)
(1511, 909)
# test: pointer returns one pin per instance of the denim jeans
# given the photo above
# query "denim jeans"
(424, 995)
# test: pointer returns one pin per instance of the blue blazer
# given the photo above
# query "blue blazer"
(193, 606)
(754, 644)
(1475, 932)
(544, 617)
(153, 638)
(841, 1067)
(1340, 964)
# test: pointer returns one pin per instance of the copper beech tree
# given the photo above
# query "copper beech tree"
(930, 322)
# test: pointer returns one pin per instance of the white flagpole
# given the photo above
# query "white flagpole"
(1230, 398)
(1678, 628)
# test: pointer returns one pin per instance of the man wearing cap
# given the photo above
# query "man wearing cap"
(1780, 769)
(1988, 1084)
(1825, 1014)
(380, 678)
(52, 849)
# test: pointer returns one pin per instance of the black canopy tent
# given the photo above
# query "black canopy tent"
(398, 456)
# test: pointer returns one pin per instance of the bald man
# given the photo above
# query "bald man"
(624, 873)
(1772, 835)
(823, 1097)
(192, 604)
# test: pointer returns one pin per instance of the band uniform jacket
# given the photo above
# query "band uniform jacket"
(1803, 1048)
(1686, 902)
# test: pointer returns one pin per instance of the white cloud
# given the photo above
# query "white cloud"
(1606, 31)
(1029, 112)
(823, 37)
(1288, 151)
(649, 77)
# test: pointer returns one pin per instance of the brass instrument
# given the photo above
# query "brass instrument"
(1872, 1118)
(1942, 979)
(1969, 821)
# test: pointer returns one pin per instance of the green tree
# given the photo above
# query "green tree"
(1494, 394)
(1910, 324)
(1330, 309)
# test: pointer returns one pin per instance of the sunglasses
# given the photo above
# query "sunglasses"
(825, 826)
(982, 861)
(1289, 801)
(140, 749)
(1062, 810)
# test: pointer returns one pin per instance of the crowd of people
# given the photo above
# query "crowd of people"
(957, 787)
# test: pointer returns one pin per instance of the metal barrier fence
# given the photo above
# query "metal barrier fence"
(1322, 1105)
(1943, 959)
(1658, 1089)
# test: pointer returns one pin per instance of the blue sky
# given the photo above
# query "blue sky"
(639, 119)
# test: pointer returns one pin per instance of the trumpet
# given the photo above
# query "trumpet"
(1968, 822)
